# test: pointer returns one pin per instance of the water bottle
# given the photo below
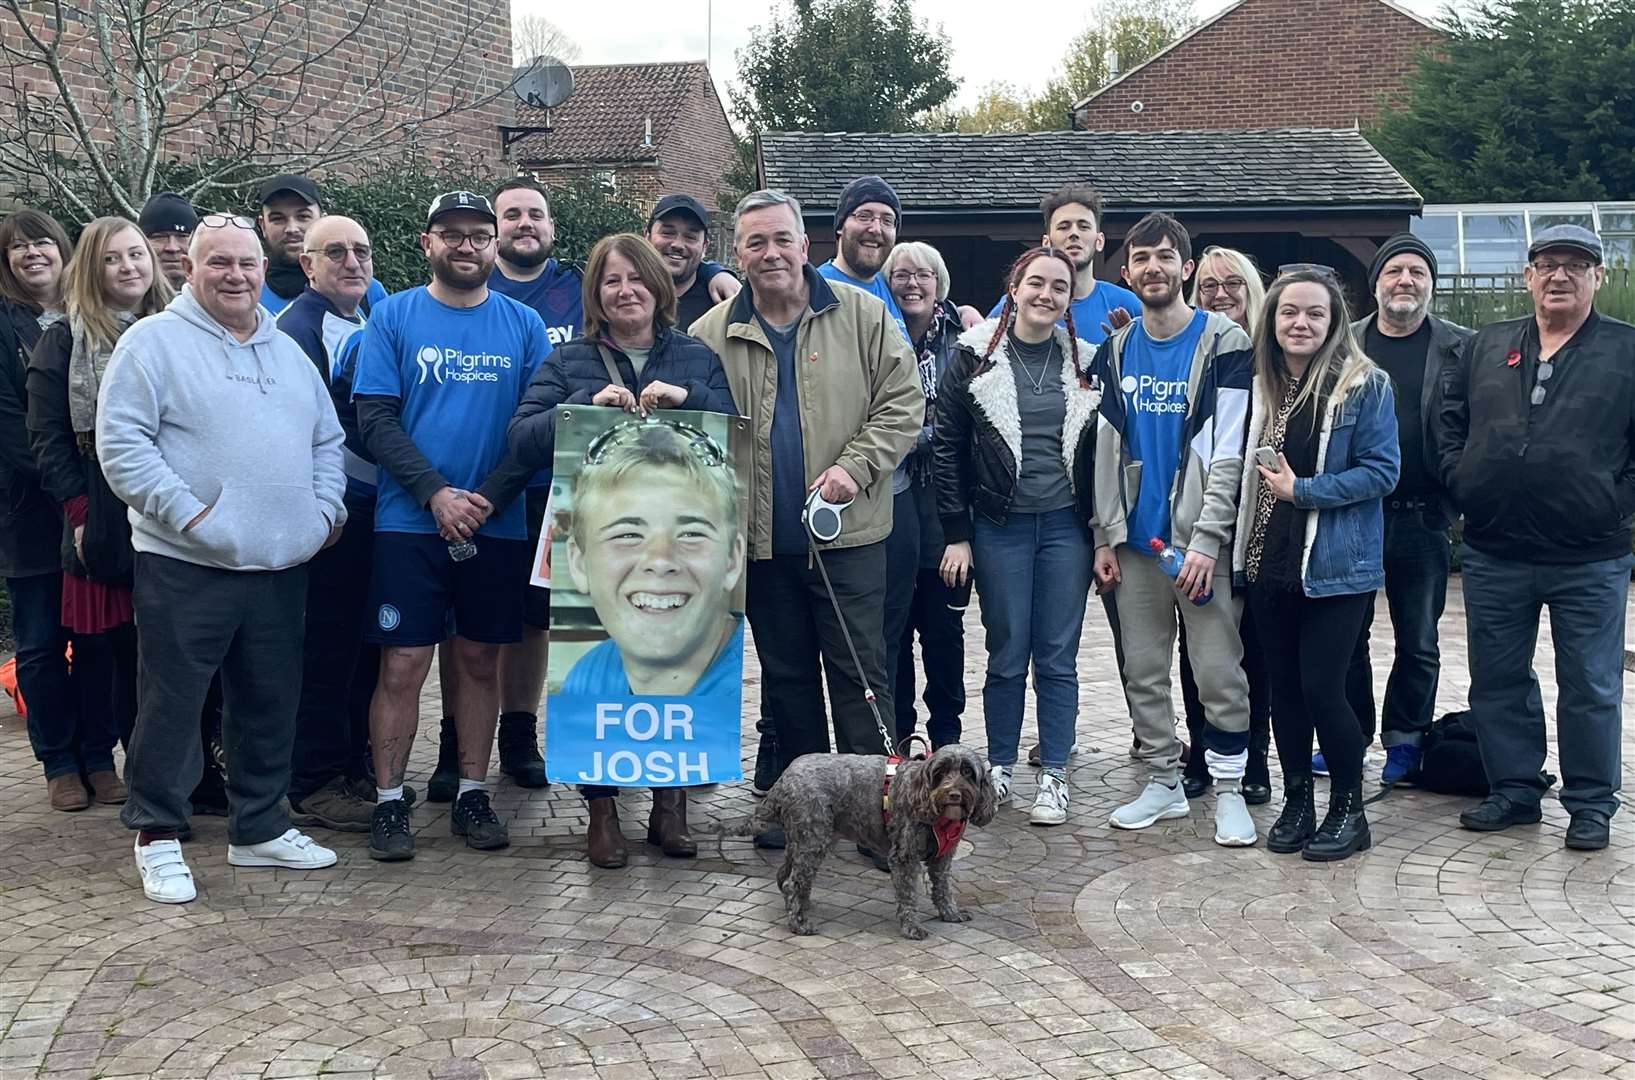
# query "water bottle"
(1170, 559)
(461, 550)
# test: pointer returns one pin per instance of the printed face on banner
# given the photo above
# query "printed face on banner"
(646, 657)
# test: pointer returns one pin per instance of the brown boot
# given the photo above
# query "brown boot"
(67, 792)
(107, 787)
(604, 843)
(667, 824)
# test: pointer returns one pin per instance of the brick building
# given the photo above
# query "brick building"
(648, 129)
(1268, 63)
(337, 82)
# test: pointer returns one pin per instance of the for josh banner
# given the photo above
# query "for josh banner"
(646, 535)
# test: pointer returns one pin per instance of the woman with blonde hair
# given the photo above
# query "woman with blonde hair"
(1322, 455)
(109, 283)
(1228, 281)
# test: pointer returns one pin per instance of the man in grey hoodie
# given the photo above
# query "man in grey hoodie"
(219, 434)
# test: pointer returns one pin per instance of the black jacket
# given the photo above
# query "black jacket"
(1552, 483)
(30, 522)
(66, 471)
(1447, 338)
(575, 373)
(976, 468)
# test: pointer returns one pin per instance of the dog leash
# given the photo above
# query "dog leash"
(845, 632)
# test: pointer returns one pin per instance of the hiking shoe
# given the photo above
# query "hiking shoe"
(1000, 776)
(1497, 812)
(335, 806)
(1399, 762)
(1233, 825)
(364, 788)
(474, 819)
(295, 850)
(1587, 831)
(1155, 803)
(165, 876)
(390, 839)
(1050, 804)
(519, 750)
(1319, 767)
(445, 779)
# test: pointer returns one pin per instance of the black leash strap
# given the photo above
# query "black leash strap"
(845, 632)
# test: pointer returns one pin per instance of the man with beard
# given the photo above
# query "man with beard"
(866, 223)
(678, 228)
(440, 371)
(168, 221)
(289, 206)
(1412, 345)
(1072, 218)
(1169, 455)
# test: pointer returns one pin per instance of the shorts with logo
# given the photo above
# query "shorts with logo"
(414, 586)
(536, 602)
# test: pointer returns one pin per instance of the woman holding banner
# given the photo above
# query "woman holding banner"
(631, 356)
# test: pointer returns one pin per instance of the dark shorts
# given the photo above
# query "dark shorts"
(415, 585)
(536, 602)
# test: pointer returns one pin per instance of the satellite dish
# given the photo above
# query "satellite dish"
(546, 83)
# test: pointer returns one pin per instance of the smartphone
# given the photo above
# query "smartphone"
(1268, 457)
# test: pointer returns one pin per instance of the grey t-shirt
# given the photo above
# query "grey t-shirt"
(1041, 482)
(638, 358)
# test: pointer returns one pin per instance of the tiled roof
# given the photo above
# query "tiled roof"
(605, 121)
(1279, 167)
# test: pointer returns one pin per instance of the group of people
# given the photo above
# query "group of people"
(230, 456)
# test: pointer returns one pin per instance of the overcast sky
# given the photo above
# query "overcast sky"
(988, 46)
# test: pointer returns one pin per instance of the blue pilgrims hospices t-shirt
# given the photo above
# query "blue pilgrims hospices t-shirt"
(1089, 312)
(1154, 376)
(459, 373)
(556, 295)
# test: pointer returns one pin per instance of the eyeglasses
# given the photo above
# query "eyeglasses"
(866, 218)
(699, 442)
(456, 239)
(42, 243)
(336, 253)
(923, 277)
(222, 221)
(1540, 377)
(1211, 286)
(1309, 268)
(1575, 268)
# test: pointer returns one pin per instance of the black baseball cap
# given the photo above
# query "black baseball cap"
(450, 201)
(167, 212)
(295, 185)
(679, 204)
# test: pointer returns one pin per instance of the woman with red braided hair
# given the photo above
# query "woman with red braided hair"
(1012, 451)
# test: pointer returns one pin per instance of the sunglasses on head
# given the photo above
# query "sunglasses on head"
(1310, 268)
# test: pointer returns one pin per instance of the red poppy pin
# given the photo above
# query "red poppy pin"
(1512, 358)
(812, 359)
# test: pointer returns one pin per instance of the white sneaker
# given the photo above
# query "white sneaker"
(165, 876)
(294, 850)
(1233, 825)
(1050, 805)
(1156, 803)
(1000, 776)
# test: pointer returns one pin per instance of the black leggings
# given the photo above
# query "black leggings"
(1308, 642)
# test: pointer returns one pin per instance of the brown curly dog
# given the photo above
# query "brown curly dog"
(822, 796)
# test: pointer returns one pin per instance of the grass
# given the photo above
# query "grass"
(1476, 307)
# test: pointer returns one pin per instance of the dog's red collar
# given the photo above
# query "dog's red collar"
(945, 832)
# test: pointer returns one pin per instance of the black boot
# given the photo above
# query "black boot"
(1344, 832)
(766, 757)
(445, 779)
(519, 749)
(1295, 825)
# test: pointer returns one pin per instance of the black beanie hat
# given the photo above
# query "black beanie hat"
(1399, 244)
(167, 212)
(866, 189)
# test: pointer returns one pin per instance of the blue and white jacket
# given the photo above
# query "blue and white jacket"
(330, 340)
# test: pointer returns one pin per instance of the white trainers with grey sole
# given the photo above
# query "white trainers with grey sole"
(294, 850)
(1155, 803)
(1233, 825)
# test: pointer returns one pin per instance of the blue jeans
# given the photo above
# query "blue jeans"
(63, 741)
(1503, 598)
(1033, 575)
(1417, 560)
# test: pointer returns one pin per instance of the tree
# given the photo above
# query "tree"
(534, 36)
(842, 65)
(1526, 100)
(96, 95)
(998, 107)
(1120, 34)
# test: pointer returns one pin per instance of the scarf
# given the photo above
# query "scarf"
(285, 280)
(85, 367)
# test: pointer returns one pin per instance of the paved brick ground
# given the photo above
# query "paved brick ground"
(1438, 954)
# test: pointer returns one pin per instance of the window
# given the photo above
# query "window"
(1441, 233)
(1544, 221)
(1494, 243)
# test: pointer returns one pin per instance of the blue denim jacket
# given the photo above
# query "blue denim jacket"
(1360, 460)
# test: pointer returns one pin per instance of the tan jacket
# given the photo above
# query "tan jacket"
(861, 406)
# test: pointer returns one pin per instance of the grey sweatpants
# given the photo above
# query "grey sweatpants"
(1147, 600)
(192, 620)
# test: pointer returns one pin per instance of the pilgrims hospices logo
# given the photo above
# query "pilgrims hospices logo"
(454, 365)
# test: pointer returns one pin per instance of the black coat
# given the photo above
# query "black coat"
(66, 471)
(30, 521)
(575, 373)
